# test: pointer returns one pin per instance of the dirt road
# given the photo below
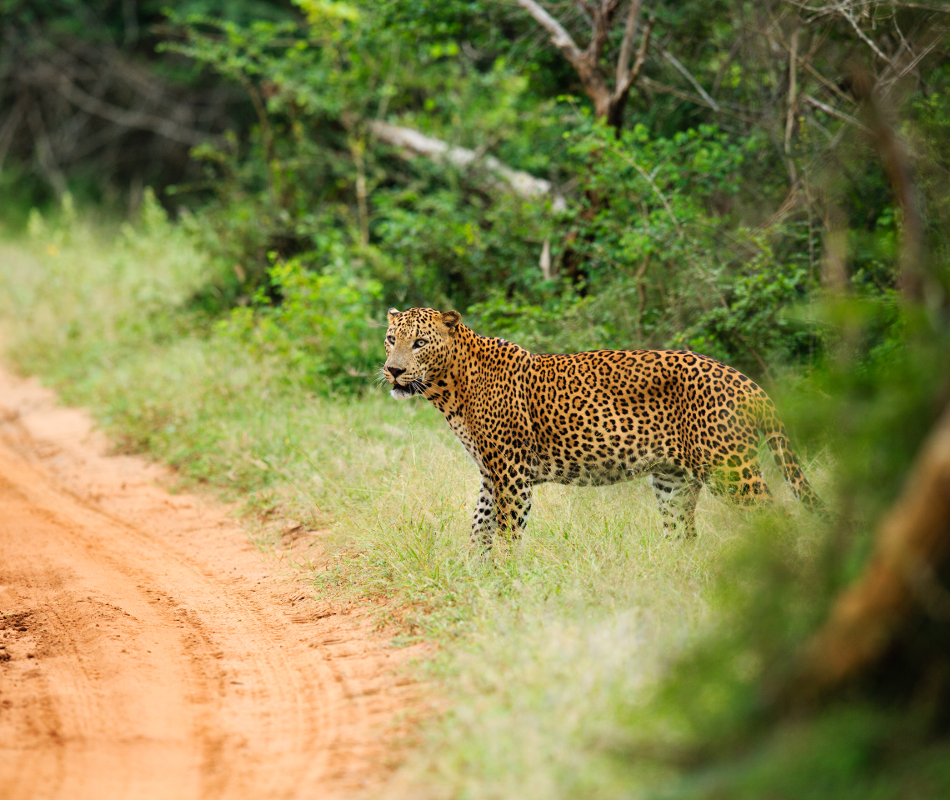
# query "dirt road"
(147, 650)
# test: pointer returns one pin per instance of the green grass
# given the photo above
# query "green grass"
(551, 653)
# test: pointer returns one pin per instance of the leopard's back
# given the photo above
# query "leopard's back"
(607, 415)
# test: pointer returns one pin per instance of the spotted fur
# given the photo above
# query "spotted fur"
(589, 419)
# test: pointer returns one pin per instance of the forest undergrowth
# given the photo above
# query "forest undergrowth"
(549, 652)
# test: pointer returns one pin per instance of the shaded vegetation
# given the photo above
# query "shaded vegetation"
(741, 147)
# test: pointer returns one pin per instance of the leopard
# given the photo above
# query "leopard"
(594, 418)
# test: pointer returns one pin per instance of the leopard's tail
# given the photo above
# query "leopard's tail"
(777, 439)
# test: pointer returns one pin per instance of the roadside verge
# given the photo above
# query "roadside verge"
(152, 651)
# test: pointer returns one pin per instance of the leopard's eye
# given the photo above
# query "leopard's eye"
(420, 343)
(390, 340)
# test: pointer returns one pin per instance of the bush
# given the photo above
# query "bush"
(666, 260)
(324, 327)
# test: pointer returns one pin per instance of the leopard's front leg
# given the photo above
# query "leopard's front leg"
(512, 506)
(511, 488)
(510, 514)
(507, 480)
(485, 521)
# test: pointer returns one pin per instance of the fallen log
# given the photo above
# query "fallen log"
(523, 184)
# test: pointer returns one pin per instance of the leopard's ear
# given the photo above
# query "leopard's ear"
(451, 320)
(392, 313)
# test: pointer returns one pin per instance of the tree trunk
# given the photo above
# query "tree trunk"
(899, 590)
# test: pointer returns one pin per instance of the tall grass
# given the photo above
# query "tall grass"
(545, 650)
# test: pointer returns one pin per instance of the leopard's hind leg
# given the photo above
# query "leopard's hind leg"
(740, 481)
(677, 494)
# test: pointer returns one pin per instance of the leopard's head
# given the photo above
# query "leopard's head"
(419, 347)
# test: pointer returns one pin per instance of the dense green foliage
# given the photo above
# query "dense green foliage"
(699, 226)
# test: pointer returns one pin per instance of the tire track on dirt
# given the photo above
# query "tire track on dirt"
(148, 651)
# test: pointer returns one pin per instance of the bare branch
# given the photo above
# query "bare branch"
(824, 81)
(130, 119)
(44, 152)
(865, 38)
(834, 261)
(736, 45)
(585, 63)
(792, 89)
(834, 112)
(9, 128)
(357, 147)
(587, 11)
(545, 261)
(913, 279)
(689, 76)
(90, 144)
(887, 83)
(663, 88)
(646, 176)
(600, 30)
(820, 11)
(626, 46)
(561, 38)
(608, 104)
(803, 61)
(623, 86)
